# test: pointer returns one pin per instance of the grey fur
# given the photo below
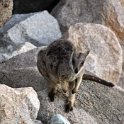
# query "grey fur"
(63, 63)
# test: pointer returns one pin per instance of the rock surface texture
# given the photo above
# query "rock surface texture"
(122, 2)
(121, 81)
(6, 7)
(15, 19)
(18, 106)
(9, 51)
(37, 28)
(106, 12)
(105, 58)
(95, 104)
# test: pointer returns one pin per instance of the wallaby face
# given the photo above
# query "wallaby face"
(59, 58)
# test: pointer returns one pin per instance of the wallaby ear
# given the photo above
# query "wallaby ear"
(78, 60)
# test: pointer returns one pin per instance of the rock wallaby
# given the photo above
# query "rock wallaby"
(63, 63)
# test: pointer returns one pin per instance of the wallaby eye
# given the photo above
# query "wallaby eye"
(80, 54)
(82, 63)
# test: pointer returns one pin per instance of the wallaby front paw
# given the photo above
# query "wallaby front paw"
(68, 106)
(51, 95)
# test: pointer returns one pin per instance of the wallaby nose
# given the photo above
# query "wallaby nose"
(76, 70)
(65, 70)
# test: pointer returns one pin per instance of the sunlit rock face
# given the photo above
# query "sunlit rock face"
(19, 105)
(105, 58)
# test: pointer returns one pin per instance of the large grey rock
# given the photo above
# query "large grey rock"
(25, 62)
(11, 51)
(106, 12)
(18, 106)
(105, 58)
(15, 19)
(95, 104)
(6, 7)
(8, 49)
(39, 28)
(36, 28)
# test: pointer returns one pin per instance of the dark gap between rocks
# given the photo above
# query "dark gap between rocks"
(29, 6)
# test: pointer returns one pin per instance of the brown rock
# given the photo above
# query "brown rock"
(6, 7)
(105, 58)
(122, 2)
(113, 16)
(18, 106)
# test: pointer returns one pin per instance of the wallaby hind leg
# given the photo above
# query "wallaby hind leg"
(52, 93)
(71, 99)
(70, 102)
(74, 86)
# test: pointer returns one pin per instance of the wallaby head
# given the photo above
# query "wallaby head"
(63, 61)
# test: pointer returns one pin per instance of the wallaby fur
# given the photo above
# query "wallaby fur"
(63, 62)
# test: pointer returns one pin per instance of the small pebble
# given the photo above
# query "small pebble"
(58, 119)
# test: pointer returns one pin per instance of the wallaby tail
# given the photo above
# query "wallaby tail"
(98, 80)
